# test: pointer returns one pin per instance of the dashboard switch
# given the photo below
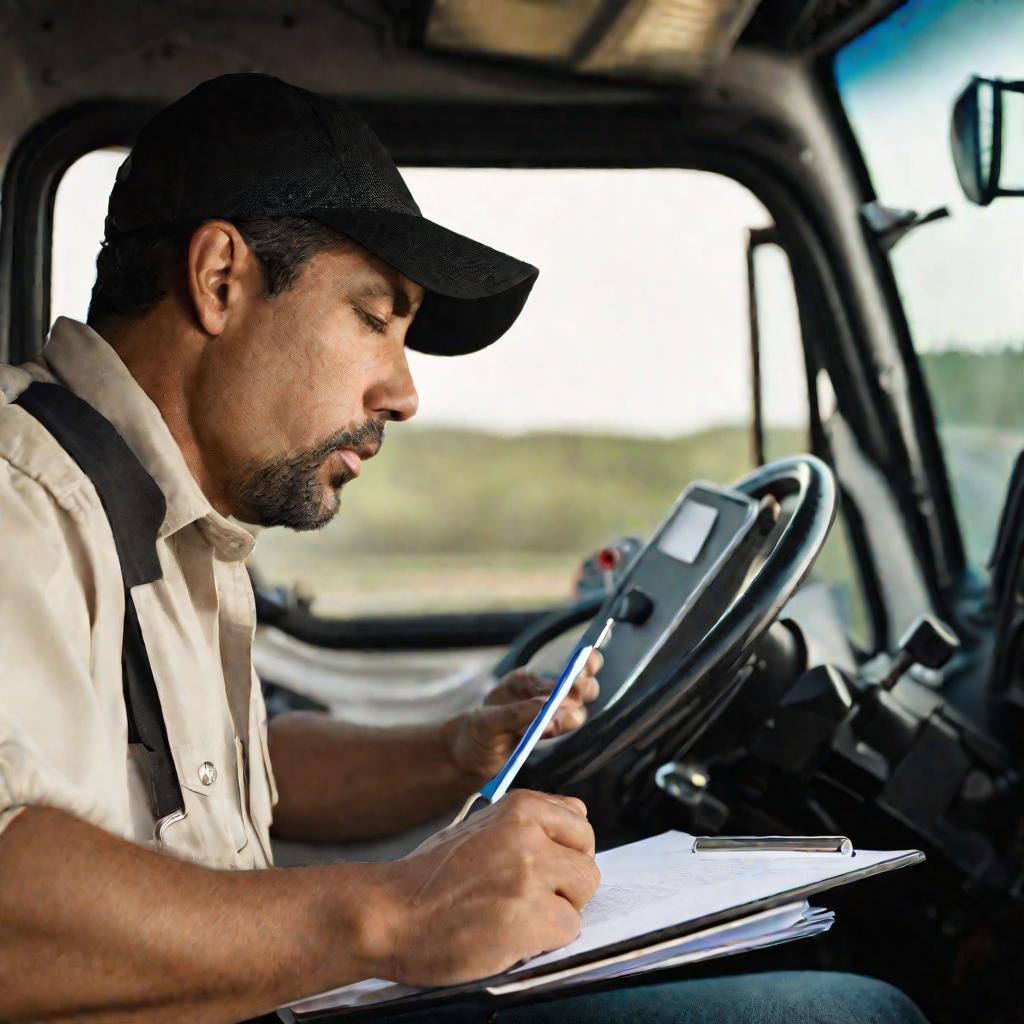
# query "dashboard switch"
(634, 606)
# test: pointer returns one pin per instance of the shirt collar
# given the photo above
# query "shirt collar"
(83, 362)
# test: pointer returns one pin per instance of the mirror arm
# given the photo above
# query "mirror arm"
(889, 224)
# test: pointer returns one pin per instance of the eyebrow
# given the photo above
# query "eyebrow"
(401, 305)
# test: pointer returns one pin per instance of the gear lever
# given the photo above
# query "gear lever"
(928, 642)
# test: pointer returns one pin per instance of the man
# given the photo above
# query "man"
(263, 272)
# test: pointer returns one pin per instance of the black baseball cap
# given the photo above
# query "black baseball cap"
(251, 145)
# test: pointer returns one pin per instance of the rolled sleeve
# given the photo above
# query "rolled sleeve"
(28, 778)
(54, 725)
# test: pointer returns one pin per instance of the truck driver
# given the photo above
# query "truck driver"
(264, 269)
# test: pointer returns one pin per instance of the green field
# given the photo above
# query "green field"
(445, 520)
(457, 520)
(978, 398)
(978, 389)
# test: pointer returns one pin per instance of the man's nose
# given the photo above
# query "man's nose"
(396, 397)
(405, 408)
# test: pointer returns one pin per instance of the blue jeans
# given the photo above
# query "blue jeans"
(782, 997)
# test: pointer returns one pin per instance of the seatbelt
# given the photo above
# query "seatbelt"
(135, 509)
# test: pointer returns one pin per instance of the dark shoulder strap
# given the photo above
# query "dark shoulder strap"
(135, 508)
(134, 504)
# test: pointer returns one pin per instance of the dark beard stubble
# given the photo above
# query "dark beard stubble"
(287, 491)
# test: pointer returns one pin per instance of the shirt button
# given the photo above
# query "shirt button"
(207, 773)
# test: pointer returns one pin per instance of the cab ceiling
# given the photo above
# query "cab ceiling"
(55, 54)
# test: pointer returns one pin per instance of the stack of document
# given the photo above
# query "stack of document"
(662, 903)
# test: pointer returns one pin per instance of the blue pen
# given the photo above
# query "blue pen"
(496, 788)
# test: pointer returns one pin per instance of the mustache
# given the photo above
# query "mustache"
(368, 434)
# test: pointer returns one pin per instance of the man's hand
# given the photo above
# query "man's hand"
(97, 929)
(340, 782)
(481, 740)
(506, 884)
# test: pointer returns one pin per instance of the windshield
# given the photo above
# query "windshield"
(961, 279)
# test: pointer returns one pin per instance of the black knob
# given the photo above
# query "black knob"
(633, 606)
(928, 642)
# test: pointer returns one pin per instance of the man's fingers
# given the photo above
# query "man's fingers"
(567, 718)
(515, 686)
(573, 803)
(585, 689)
(515, 704)
(520, 685)
(568, 828)
(561, 925)
(498, 719)
(575, 877)
(501, 719)
(560, 818)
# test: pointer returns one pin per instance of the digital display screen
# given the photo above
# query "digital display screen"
(684, 538)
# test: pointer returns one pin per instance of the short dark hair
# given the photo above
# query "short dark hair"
(132, 271)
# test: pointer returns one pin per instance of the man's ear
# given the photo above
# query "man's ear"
(221, 272)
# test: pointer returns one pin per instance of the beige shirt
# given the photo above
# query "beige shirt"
(63, 728)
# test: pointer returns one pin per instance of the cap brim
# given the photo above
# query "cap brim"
(474, 292)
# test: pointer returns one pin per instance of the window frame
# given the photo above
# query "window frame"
(649, 134)
(948, 538)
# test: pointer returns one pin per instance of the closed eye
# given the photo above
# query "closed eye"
(375, 323)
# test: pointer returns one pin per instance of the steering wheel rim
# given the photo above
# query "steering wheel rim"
(703, 682)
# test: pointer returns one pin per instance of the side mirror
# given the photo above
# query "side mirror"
(987, 139)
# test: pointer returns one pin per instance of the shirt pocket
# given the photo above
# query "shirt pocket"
(213, 831)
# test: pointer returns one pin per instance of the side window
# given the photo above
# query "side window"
(627, 377)
(79, 210)
(959, 278)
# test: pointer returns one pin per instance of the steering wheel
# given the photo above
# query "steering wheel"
(674, 699)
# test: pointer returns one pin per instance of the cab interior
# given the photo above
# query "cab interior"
(765, 231)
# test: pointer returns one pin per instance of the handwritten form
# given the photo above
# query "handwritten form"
(661, 883)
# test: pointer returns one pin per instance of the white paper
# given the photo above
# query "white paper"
(362, 993)
(766, 928)
(661, 883)
(817, 923)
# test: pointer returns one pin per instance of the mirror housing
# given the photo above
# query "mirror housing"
(987, 127)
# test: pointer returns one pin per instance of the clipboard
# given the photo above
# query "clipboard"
(526, 985)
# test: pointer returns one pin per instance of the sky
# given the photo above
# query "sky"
(962, 279)
(638, 323)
